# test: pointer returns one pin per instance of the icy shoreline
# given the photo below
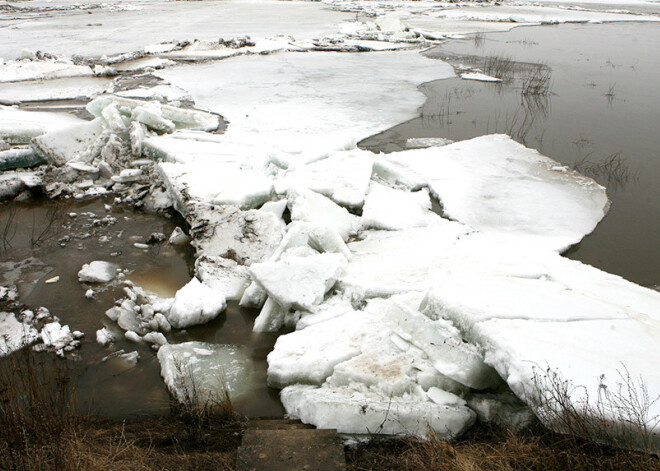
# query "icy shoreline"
(400, 315)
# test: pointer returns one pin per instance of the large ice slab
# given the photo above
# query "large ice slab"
(218, 183)
(342, 176)
(299, 282)
(302, 111)
(585, 326)
(19, 127)
(199, 371)
(497, 186)
(309, 206)
(411, 255)
(226, 231)
(392, 209)
(365, 412)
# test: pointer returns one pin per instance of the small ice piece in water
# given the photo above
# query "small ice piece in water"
(479, 77)
(195, 304)
(97, 272)
(178, 237)
(54, 279)
(89, 294)
(104, 336)
(209, 370)
(155, 338)
(131, 357)
(132, 336)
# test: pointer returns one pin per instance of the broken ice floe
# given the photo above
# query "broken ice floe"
(195, 304)
(495, 185)
(97, 272)
(203, 372)
(15, 334)
(362, 412)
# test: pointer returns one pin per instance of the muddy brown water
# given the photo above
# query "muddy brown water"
(32, 251)
(601, 116)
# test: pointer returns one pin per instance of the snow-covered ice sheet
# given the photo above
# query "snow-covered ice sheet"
(342, 176)
(16, 71)
(392, 209)
(495, 185)
(391, 262)
(291, 104)
(115, 24)
(536, 14)
(203, 371)
(58, 89)
(19, 127)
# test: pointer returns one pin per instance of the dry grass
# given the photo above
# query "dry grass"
(495, 449)
(619, 416)
(41, 428)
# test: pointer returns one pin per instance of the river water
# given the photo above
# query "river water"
(601, 117)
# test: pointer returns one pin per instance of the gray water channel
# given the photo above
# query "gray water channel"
(602, 116)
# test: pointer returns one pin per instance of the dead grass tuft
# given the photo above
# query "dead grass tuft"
(487, 448)
(41, 427)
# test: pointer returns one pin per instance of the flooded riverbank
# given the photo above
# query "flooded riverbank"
(599, 117)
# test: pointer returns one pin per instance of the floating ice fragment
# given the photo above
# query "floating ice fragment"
(97, 272)
(195, 304)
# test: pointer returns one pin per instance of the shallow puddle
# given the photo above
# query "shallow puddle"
(44, 239)
(601, 117)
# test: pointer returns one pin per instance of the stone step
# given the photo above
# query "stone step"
(287, 449)
(277, 424)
